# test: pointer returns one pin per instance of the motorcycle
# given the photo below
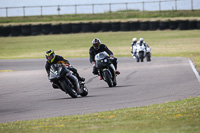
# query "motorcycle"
(67, 81)
(105, 68)
(148, 54)
(140, 52)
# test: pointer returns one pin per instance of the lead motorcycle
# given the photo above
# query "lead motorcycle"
(67, 81)
(105, 68)
(140, 52)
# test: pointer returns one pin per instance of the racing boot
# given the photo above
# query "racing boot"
(81, 79)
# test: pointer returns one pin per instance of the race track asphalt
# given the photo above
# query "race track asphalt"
(26, 93)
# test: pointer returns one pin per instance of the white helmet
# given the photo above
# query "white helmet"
(141, 39)
(134, 39)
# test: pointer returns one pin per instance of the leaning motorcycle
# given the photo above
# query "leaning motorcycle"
(105, 68)
(67, 81)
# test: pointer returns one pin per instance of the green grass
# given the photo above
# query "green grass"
(179, 116)
(121, 15)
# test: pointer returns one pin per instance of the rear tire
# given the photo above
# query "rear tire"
(108, 78)
(68, 89)
(85, 91)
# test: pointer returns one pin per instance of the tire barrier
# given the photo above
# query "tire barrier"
(173, 25)
(66, 28)
(36, 29)
(56, 29)
(5, 30)
(153, 25)
(144, 25)
(115, 26)
(192, 24)
(86, 27)
(76, 27)
(164, 25)
(105, 26)
(134, 26)
(46, 29)
(16, 30)
(125, 26)
(183, 24)
(26, 30)
(198, 24)
(96, 27)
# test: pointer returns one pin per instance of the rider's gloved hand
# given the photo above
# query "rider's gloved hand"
(67, 65)
(111, 57)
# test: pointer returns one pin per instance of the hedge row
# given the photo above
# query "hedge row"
(38, 29)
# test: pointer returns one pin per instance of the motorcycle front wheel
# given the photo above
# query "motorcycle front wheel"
(108, 78)
(148, 57)
(141, 56)
(68, 89)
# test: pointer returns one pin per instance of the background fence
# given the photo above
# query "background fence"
(158, 5)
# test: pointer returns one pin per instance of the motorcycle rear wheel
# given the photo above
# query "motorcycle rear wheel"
(85, 91)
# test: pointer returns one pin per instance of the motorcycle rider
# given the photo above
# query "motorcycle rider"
(96, 48)
(133, 47)
(142, 42)
(57, 59)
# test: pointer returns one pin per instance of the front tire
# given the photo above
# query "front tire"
(108, 78)
(68, 89)
(141, 56)
(148, 57)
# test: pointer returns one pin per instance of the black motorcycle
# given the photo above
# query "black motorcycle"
(67, 81)
(105, 68)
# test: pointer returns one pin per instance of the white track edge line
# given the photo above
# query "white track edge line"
(194, 70)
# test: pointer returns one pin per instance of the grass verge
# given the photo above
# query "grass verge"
(179, 116)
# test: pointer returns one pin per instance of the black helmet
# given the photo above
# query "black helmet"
(96, 43)
(50, 56)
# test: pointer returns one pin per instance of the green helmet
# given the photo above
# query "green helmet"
(50, 56)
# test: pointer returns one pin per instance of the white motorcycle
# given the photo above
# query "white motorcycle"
(148, 53)
(140, 53)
